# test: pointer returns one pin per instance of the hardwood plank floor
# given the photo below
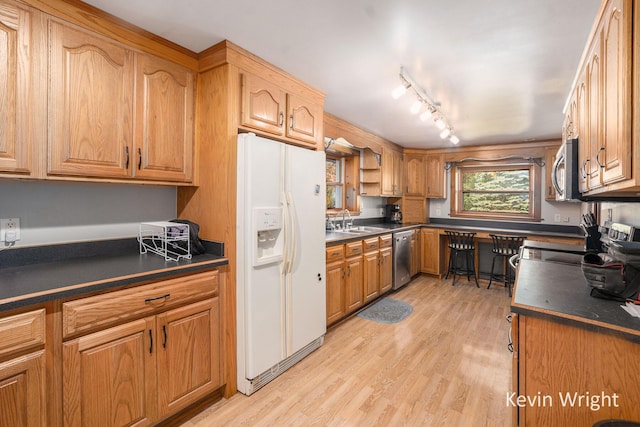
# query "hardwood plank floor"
(445, 364)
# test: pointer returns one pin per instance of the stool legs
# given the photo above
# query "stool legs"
(456, 270)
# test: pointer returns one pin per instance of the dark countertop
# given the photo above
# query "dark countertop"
(45, 278)
(334, 237)
(560, 291)
(504, 230)
(337, 237)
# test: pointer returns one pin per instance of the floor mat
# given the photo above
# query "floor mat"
(387, 310)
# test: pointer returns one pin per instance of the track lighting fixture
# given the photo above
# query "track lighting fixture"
(424, 102)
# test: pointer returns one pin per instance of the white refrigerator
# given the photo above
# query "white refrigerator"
(280, 283)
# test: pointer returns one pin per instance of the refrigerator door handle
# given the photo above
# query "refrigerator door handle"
(294, 220)
(285, 249)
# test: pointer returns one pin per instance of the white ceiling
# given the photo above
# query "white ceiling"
(501, 69)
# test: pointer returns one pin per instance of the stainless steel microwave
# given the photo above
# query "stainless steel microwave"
(564, 174)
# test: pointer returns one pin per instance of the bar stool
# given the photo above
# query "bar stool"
(504, 247)
(461, 243)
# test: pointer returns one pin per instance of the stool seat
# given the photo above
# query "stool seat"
(461, 243)
(504, 246)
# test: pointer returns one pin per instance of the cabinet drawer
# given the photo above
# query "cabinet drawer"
(386, 240)
(22, 331)
(354, 248)
(370, 244)
(335, 253)
(114, 307)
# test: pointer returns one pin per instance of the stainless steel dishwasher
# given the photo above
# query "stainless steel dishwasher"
(401, 258)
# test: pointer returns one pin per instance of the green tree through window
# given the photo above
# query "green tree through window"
(500, 191)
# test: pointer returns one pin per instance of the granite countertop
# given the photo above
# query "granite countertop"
(560, 291)
(36, 275)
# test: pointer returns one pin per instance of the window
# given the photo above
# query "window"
(335, 183)
(343, 183)
(505, 191)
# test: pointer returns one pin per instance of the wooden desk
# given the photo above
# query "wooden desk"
(435, 252)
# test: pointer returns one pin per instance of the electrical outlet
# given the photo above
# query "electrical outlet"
(9, 230)
(381, 211)
(557, 218)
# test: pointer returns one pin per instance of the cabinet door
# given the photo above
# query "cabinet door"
(414, 170)
(430, 251)
(15, 88)
(164, 120)
(110, 376)
(22, 391)
(386, 269)
(335, 291)
(387, 184)
(593, 116)
(304, 120)
(353, 284)
(616, 55)
(90, 104)
(435, 177)
(371, 275)
(582, 129)
(188, 346)
(263, 105)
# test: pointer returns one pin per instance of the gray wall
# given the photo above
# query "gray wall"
(58, 212)
(623, 212)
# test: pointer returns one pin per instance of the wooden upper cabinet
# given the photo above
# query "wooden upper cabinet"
(391, 173)
(267, 107)
(164, 120)
(304, 119)
(414, 170)
(616, 55)
(263, 105)
(592, 128)
(90, 104)
(582, 129)
(15, 88)
(435, 176)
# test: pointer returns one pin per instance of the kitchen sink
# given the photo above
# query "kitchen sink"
(362, 230)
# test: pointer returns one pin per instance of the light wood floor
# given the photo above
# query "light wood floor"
(445, 364)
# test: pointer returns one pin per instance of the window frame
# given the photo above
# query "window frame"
(457, 202)
(339, 183)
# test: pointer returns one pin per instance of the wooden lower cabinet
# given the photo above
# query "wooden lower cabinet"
(355, 278)
(430, 250)
(593, 367)
(353, 283)
(371, 278)
(386, 269)
(22, 369)
(142, 371)
(335, 291)
(109, 376)
(22, 391)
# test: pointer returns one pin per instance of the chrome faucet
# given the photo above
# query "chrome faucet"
(346, 225)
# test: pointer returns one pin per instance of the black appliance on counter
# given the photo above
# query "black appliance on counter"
(393, 214)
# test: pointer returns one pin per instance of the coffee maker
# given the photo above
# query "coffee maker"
(393, 214)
